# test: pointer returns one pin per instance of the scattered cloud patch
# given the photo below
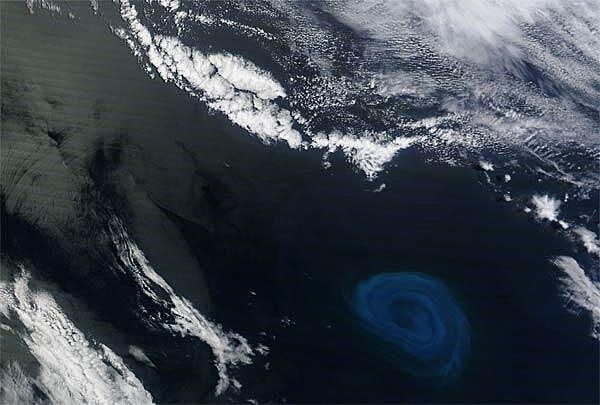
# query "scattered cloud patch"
(546, 207)
(72, 369)
(138, 354)
(227, 83)
(248, 95)
(15, 386)
(579, 292)
(486, 166)
(229, 349)
(42, 4)
(589, 239)
(367, 153)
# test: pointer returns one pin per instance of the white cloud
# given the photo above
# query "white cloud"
(589, 239)
(246, 94)
(229, 349)
(229, 84)
(487, 166)
(42, 4)
(244, 75)
(251, 98)
(579, 292)
(480, 30)
(171, 5)
(365, 151)
(138, 354)
(546, 207)
(71, 368)
(15, 386)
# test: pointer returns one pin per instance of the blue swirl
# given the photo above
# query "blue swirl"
(417, 315)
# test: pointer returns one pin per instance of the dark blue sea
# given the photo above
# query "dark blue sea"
(299, 202)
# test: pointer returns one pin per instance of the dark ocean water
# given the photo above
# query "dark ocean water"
(269, 243)
(335, 233)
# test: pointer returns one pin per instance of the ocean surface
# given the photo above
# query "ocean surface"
(301, 202)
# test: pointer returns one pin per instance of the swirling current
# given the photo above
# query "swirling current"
(186, 185)
(417, 315)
